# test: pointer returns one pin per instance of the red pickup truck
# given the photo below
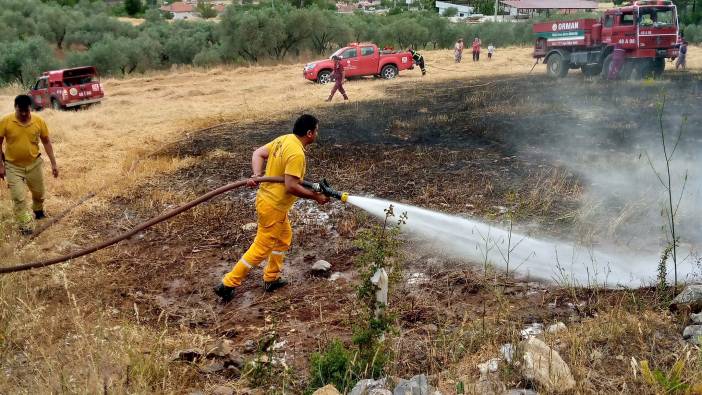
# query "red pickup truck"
(67, 88)
(360, 59)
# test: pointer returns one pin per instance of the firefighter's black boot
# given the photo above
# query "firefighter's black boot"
(270, 286)
(225, 293)
(39, 214)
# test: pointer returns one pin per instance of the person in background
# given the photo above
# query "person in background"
(418, 60)
(491, 50)
(682, 56)
(476, 49)
(338, 74)
(458, 51)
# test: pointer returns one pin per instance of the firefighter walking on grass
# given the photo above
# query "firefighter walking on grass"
(21, 163)
(284, 156)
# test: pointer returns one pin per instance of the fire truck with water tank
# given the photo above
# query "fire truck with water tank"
(646, 31)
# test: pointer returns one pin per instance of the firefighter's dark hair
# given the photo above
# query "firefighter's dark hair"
(23, 102)
(304, 124)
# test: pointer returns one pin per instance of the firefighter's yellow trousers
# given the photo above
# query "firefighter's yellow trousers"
(19, 178)
(273, 238)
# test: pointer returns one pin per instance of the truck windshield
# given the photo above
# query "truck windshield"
(656, 17)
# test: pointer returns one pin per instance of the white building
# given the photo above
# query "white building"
(464, 11)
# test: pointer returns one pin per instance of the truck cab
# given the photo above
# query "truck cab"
(67, 88)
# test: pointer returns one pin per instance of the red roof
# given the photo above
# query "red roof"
(178, 6)
(551, 4)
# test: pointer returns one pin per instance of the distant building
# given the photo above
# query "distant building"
(526, 8)
(187, 9)
(464, 11)
(180, 10)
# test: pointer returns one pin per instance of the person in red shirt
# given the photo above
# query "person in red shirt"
(338, 74)
(476, 49)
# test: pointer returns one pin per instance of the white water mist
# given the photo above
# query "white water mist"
(550, 260)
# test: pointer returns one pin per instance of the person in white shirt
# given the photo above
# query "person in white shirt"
(491, 50)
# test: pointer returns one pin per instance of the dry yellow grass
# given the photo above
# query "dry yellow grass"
(56, 346)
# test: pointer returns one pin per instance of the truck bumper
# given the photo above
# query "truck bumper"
(310, 75)
(82, 102)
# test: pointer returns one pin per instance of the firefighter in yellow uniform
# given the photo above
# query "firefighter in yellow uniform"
(284, 156)
(21, 162)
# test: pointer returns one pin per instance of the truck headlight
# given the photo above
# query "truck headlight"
(309, 66)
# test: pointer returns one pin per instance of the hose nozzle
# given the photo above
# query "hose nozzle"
(326, 189)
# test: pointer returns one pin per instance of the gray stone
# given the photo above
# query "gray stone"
(249, 346)
(690, 297)
(544, 365)
(321, 266)
(489, 384)
(327, 390)
(693, 334)
(696, 318)
(364, 387)
(213, 367)
(222, 390)
(187, 355)
(521, 392)
(417, 385)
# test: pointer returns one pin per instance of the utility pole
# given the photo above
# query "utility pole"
(497, 3)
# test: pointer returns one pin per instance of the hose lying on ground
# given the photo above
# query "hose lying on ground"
(138, 228)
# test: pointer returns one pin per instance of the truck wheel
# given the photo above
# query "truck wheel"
(388, 72)
(592, 70)
(643, 70)
(324, 77)
(557, 66)
(606, 65)
(55, 105)
(658, 67)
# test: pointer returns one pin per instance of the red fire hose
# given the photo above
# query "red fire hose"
(138, 228)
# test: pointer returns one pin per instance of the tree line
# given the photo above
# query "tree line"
(36, 36)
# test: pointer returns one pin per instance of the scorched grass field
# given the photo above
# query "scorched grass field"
(468, 139)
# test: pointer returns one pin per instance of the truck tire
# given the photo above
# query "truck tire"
(324, 77)
(55, 104)
(606, 65)
(658, 67)
(557, 66)
(388, 72)
(643, 70)
(592, 70)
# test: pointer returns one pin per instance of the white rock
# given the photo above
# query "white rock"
(321, 266)
(251, 226)
(507, 352)
(696, 318)
(532, 330)
(335, 276)
(544, 365)
(557, 327)
(418, 279)
(490, 366)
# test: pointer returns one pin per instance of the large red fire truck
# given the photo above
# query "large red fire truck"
(646, 32)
